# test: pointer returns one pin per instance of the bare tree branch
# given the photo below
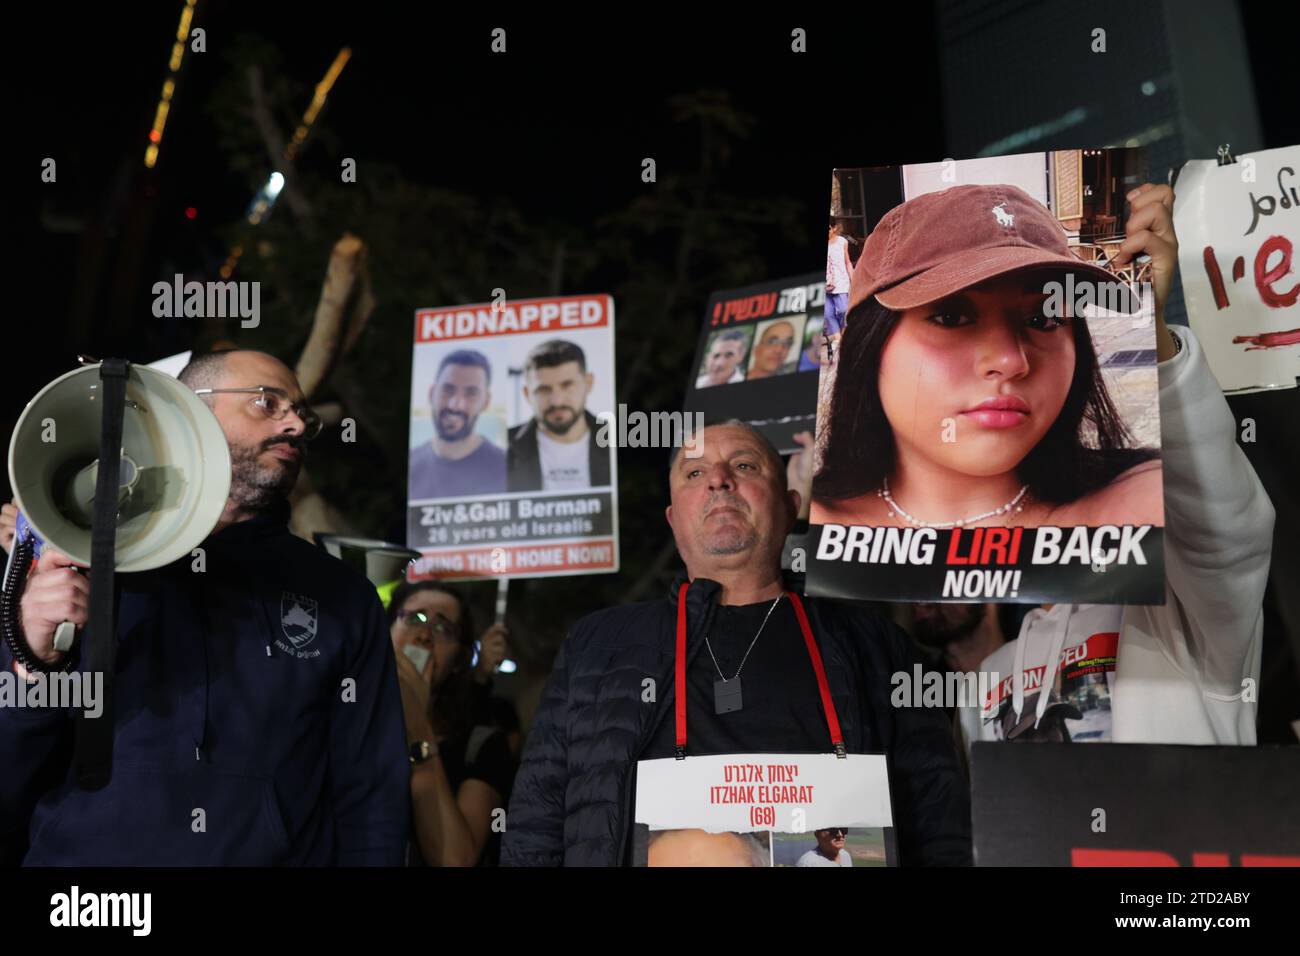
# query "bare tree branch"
(341, 313)
(274, 142)
(311, 512)
(330, 413)
(356, 407)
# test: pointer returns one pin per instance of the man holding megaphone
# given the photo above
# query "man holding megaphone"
(258, 718)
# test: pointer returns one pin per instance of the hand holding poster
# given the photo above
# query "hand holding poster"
(511, 471)
(1238, 227)
(989, 429)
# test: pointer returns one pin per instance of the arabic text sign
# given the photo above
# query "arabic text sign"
(1238, 227)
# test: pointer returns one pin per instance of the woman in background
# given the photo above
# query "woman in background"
(461, 771)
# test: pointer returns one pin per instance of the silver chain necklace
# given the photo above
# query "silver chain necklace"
(726, 692)
(960, 522)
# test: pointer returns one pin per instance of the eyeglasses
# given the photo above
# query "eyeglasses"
(441, 628)
(275, 403)
(836, 831)
(784, 343)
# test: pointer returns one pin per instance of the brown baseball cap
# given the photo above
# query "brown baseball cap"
(940, 243)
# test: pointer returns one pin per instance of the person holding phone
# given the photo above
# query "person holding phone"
(462, 770)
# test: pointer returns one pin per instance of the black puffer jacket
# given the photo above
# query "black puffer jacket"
(572, 800)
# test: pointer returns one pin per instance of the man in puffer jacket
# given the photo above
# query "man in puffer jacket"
(609, 701)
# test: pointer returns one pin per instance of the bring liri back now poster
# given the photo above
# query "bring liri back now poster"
(988, 428)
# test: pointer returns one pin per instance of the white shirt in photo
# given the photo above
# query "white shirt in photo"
(737, 376)
(566, 466)
(837, 267)
(814, 858)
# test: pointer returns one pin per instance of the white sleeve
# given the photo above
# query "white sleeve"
(1218, 533)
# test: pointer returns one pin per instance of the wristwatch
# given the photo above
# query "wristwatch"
(421, 751)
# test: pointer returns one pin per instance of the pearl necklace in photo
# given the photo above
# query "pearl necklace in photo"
(895, 508)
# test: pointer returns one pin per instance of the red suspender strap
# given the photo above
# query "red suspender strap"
(680, 671)
(823, 687)
(832, 719)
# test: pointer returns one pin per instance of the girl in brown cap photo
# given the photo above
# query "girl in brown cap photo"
(967, 393)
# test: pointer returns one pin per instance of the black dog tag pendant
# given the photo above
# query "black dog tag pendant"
(726, 695)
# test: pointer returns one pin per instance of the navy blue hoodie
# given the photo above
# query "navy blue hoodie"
(234, 697)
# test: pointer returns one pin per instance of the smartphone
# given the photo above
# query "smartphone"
(419, 656)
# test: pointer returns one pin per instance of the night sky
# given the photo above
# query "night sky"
(559, 124)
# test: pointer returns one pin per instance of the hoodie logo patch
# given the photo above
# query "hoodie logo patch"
(298, 618)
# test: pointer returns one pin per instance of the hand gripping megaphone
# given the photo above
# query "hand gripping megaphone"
(162, 493)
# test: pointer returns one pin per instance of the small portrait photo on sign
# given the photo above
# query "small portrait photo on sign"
(814, 345)
(702, 848)
(562, 387)
(724, 358)
(832, 846)
(458, 433)
(775, 349)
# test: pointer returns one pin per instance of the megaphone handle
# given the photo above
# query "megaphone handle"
(63, 635)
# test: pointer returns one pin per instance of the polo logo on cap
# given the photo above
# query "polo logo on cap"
(1004, 218)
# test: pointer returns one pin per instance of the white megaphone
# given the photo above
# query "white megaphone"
(173, 482)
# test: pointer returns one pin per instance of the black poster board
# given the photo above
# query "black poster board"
(780, 403)
(1044, 804)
